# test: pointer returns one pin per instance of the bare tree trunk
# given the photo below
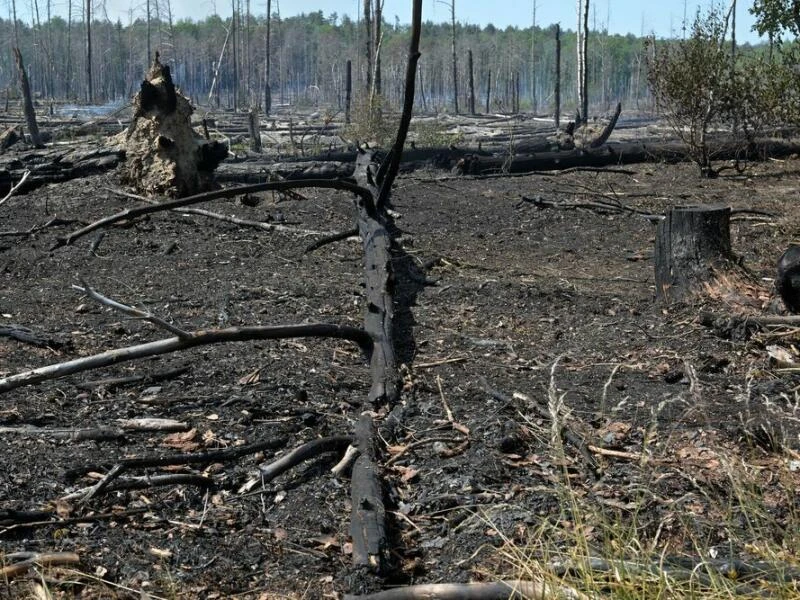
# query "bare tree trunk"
(235, 58)
(585, 71)
(368, 44)
(489, 90)
(16, 28)
(267, 88)
(533, 60)
(247, 65)
(90, 91)
(453, 48)
(557, 92)
(30, 114)
(149, 52)
(348, 92)
(471, 83)
(377, 45)
(214, 81)
(421, 90)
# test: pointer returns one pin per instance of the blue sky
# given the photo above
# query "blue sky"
(623, 16)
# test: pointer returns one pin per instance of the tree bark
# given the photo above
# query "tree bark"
(30, 113)
(691, 242)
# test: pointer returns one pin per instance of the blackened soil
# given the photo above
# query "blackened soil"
(507, 313)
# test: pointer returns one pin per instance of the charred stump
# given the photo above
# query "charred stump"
(787, 282)
(691, 242)
(165, 156)
(253, 130)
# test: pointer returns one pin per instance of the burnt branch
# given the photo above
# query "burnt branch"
(386, 178)
(330, 239)
(130, 310)
(366, 201)
(304, 453)
(194, 458)
(192, 339)
(142, 483)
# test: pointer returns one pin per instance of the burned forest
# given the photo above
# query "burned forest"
(430, 327)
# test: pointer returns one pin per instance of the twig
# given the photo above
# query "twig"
(143, 482)
(130, 310)
(48, 559)
(502, 590)
(16, 187)
(303, 453)
(113, 382)
(247, 222)
(184, 459)
(11, 520)
(153, 424)
(449, 413)
(439, 363)
(349, 456)
(409, 447)
(73, 435)
(336, 237)
(192, 339)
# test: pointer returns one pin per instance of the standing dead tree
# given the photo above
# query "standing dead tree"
(30, 113)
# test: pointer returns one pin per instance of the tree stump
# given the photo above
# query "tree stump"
(691, 242)
(787, 281)
(164, 155)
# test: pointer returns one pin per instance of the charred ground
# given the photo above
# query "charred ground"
(504, 310)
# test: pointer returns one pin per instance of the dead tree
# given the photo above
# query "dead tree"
(691, 244)
(348, 98)
(471, 83)
(30, 113)
(267, 88)
(488, 89)
(453, 52)
(557, 91)
(89, 89)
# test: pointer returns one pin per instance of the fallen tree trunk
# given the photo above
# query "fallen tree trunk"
(54, 166)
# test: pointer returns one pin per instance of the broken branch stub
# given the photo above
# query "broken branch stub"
(165, 156)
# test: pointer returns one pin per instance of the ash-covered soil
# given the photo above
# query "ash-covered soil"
(507, 313)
